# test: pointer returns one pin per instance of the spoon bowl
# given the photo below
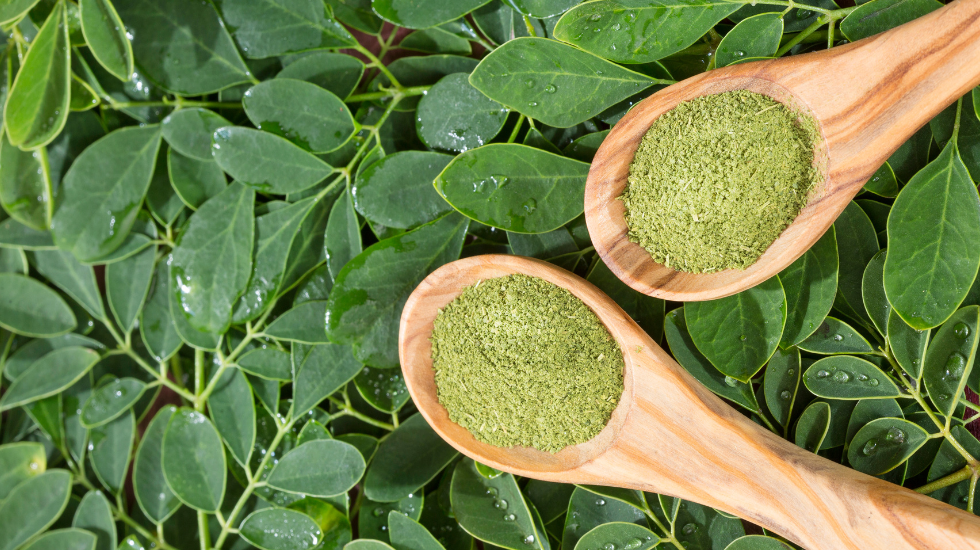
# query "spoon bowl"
(867, 98)
(672, 436)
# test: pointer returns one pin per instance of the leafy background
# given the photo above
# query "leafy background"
(191, 189)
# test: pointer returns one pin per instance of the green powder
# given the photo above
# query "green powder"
(520, 361)
(717, 179)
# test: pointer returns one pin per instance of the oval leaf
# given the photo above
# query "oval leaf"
(47, 494)
(410, 457)
(111, 400)
(322, 468)
(950, 358)
(30, 308)
(279, 529)
(882, 444)
(232, 409)
(756, 36)
(106, 37)
(303, 113)
(908, 345)
(49, 375)
(811, 428)
(833, 337)
(153, 494)
(455, 116)
(396, 191)
(266, 28)
(194, 461)
(846, 377)
(265, 161)
(621, 535)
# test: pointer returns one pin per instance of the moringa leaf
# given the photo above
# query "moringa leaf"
(756, 36)
(810, 284)
(384, 195)
(265, 28)
(49, 375)
(265, 161)
(106, 37)
(30, 308)
(405, 13)
(880, 15)
(305, 114)
(194, 461)
(950, 358)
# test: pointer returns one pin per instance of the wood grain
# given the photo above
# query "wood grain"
(868, 98)
(670, 435)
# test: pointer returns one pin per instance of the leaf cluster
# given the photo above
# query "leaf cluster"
(213, 212)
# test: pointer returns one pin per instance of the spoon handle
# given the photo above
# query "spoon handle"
(679, 439)
(872, 95)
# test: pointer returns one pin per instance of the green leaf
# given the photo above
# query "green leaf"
(781, 384)
(811, 428)
(269, 363)
(739, 333)
(111, 400)
(620, 534)
(37, 103)
(833, 337)
(867, 410)
(420, 71)
(47, 494)
(25, 185)
(266, 162)
(212, 259)
(110, 448)
(342, 238)
(153, 494)
(94, 514)
(908, 345)
(375, 524)
(49, 375)
(409, 458)
(305, 114)
(882, 444)
(232, 409)
(857, 243)
(161, 199)
(647, 311)
(383, 389)
(454, 116)
(756, 36)
(335, 72)
(619, 30)
(24, 356)
(406, 13)
(883, 183)
(16, 234)
(28, 307)
(436, 40)
(847, 377)
(586, 511)
(515, 187)
(20, 462)
(950, 358)
(303, 323)
(12, 10)
(396, 191)
(75, 279)
(322, 468)
(873, 292)
(194, 461)
(13, 260)
(365, 303)
(335, 526)
(694, 362)
(195, 181)
(553, 82)
(266, 28)
(757, 542)
(127, 283)
(65, 539)
(931, 260)
(102, 191)
(320, 371)
(189, 131)
(106, 37)
(408, 534)
(367, 544)
(183, 48)
(881, 15)
(280, 529)
(47, 413)
(156, 324)
(811, 285)
(274, 233)
(478, 505)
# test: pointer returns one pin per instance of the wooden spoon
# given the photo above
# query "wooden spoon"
(868, 98)
(670, 435)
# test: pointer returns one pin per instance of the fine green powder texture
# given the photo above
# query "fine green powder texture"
(717, 179)
(520, 361)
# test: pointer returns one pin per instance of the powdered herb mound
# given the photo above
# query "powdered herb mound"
(717, 179)
(520, 361)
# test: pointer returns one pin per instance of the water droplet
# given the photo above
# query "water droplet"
(529, 83)
(530, 205)
(803, 14)
(739, 53)
(600, 502)
(870, 447)
(785, 394)
(532, 104)
(595, 17)
(731, 382)
(501, 504)
(551, 88)
(509, 517)
(529, 539)
(961, 330)
(689, 528)
(492, 491)
(632, 544)
(873, 382)
(838, 338)
(742, 337)
(842, 376)
(895, 435)
(822, 374)
(790, 372)
(954, 366)
(609, 546)
(378, 512)
(861, 377)
(616, 26)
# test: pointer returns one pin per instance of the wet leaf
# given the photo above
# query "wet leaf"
(106, 37)
(195, 181)
(455, 116)
(48, 495)
(882, 444)
(20, 462)
(619, 534)
(110, 448)
(95, 516)
(194, 461)
(781, 383)
(811, 428)
(857, 243)
(396, 191)
(949, 359)
(189, 131)
(30, 308)
(405, 13)
(153, 494)
(756, 36)
(407, 460)
(320, 468)
(880, 15)
(319, 371)
(110, 401)
(156, 324)
(49, 375)
(304, 113)
(25, 185)
(847, 377)
(834, 337)
(335, 72)
(493, 510)
(873, 291)
(232, 409)
(127, 285)
(264, 28)
(269, 363)
(280, 529)
(266, 162)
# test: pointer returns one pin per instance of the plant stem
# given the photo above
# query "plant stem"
(801, 35)
(381, 66)
(202, 527)
(956, 123)
(178, 103)
(951, 479)
(351, 411)
(405, 92)
(517, 129)
(669, 533)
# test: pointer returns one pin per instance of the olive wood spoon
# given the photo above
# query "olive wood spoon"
(672, 436)
(868, 98)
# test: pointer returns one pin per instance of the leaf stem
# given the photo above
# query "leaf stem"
(956, 124)
(517, 129)
(179, 103)
(381, 66)
(202, 527)
(351, 411)
(669, 533)
(529, 26)
(821, 21)
(971, 406)
(952, 479)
